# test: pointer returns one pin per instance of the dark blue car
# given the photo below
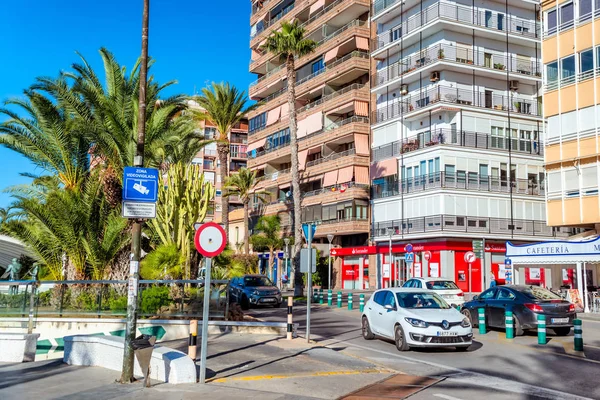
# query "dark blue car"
(254, 290)
(526, 302)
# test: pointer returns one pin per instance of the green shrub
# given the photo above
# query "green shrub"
(118, 303)
(43, 299)
(153, 298)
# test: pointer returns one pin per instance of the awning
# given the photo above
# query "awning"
(361, 175)
(255, 55)
(361, 143)
(255, 145)
(330, 178)
(311, 178)
(345, 175)
(285, 110)
(346, 105)
(331, 54)
(554, 253)
(384, 168)
(302, 155)
(315, 150)
(361, 108)
(317, 89)
(258, 167)
(273, 115)
(362, 43)
(301, 132)
(285, 185)
(314, 122)
(315, 7)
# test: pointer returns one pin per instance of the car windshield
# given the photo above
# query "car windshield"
(441, 285)
(421, 300)
(539, 293)
(253, 281)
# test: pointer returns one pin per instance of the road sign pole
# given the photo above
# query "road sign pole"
(309, 281)
(470, 282)
(205, 309)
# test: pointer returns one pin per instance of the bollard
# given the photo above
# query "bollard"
(541, 320)
(509, 322)
(290, 323)
(339, 299)
(361, 303)
(349, 301)
(321, 296)
(315, 295)
(578, 335)
(192, 343)
(482, 330)
(329, 297)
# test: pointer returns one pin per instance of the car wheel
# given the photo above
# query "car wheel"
(563, 331)
(462, 348)
(400, 339)
(245, 304)
(467, 314)
(366, 329)
(518, 328)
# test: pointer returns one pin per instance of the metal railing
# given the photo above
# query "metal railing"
(456, 138)
(337, 188)
(108, 298)
(447, 53)
(469, 224)
(457, 181)
(569, 80)
(267, 24)
(381, 5)
(463, 14)
(445, 94)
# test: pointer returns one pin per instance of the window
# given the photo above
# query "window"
(378, 297)
(483, 173)
(504, 294)
(258, 122)
(461, 177)
(567, 68)
(500, 21)
(317, 66)
(566, 16)
(389, 299)
(449, 171)
(488, 294)
(488, 19)
(551, 21)
(551, 73)
(586, 62)
(585, 10)
(441, 285)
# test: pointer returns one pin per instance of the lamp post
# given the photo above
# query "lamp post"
(330, 238)
(391, 233)
(285, 257)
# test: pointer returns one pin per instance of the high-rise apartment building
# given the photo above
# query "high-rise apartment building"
(457, 136)
(332, 89)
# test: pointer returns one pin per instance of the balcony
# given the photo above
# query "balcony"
(449, 224)
(259, 9)
(343, 226)
(449, 137)
(210, 153)
(462, 15)
(571, 80)
(465, 181)
(238, 151)
(439, 95)
(444, 53)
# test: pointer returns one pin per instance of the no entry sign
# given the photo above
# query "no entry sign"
(210, 239)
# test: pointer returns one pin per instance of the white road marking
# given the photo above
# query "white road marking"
(445, 396)
(480, 379)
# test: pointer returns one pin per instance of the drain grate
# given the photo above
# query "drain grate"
(396, 387)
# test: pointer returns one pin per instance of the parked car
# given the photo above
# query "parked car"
(526, 303)
(446, 288)
(254, 290)
(415, 318)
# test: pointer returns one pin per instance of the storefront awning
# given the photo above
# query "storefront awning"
(555, 253)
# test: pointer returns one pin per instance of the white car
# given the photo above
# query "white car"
(446, 288)
(415, 318)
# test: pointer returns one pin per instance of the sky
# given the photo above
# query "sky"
(194, 42)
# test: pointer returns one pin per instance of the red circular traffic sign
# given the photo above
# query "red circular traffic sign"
(470, 257)
(210, 239)
(427, 255)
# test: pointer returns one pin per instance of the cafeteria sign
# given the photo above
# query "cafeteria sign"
(563, 248)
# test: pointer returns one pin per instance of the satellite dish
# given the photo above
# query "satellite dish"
(288, 194)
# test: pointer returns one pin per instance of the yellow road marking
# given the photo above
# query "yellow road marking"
(308, 375)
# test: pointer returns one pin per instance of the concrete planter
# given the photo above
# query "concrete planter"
(18, 347)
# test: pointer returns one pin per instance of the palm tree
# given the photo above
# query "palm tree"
(224, 106)
(242, 185)
(289, 43)
(267, 237)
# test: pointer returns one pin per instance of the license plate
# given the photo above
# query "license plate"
(447, 333)
(267, 300)
(560, 320)
(447, 296)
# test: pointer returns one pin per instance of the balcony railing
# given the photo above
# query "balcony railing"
(445, 94)
(468, 224)
(456, 138)
(238, 151)
(331, 157)
(462, 14)
(570, 80)
(267, 24)
(259, 6)
(447, 53)
(465, 181)
(381, 5)
(210, 153)
(337, 188)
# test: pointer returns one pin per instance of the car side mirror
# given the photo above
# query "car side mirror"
(475, 297)
(390, 307)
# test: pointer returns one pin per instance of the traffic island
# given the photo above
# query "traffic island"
(18, 347)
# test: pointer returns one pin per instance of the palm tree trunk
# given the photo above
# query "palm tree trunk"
(297, 223)
(246, 230)
(223, 151)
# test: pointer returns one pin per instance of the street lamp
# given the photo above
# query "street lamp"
(330, 238)
(285, 257)
(391, 233)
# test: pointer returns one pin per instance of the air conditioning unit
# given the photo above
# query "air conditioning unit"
(435, 76)
(404, 89)
(514, 85)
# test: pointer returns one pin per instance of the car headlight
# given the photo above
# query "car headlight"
(256, 293)
(465, 323)
(417, 322)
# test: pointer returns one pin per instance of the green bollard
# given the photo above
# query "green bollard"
(349, 301)
(509, 322)
(482, 329)
(315, 295)
(329, 297)
(361, 303)
(578, 335)
(339, 299)
(541, 320)
(321, 296)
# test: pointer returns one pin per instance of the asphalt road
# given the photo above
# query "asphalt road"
(493, 367)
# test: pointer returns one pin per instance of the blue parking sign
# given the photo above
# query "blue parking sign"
(140, 184)
(507, 261)
(409, 257)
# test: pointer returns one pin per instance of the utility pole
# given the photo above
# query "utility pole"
(330, 238)
(136, 230)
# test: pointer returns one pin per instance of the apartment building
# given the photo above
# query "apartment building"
(571, 58)
(457, 137)
(332, 91)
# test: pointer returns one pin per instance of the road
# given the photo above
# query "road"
(493, 367)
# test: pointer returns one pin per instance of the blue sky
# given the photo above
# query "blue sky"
(193, 41)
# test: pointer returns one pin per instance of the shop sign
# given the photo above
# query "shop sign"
(354, 251)
(560, 249)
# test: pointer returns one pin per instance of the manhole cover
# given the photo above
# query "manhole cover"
(395, 387)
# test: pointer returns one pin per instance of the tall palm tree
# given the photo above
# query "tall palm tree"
(241, 185)
(289, 43)
(267, 237)
(224, 106)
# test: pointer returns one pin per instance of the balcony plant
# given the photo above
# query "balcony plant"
(499, 66)
(441, 53)
(518, 106)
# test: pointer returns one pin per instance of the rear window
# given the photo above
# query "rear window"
(441, 285)
(539, 293)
